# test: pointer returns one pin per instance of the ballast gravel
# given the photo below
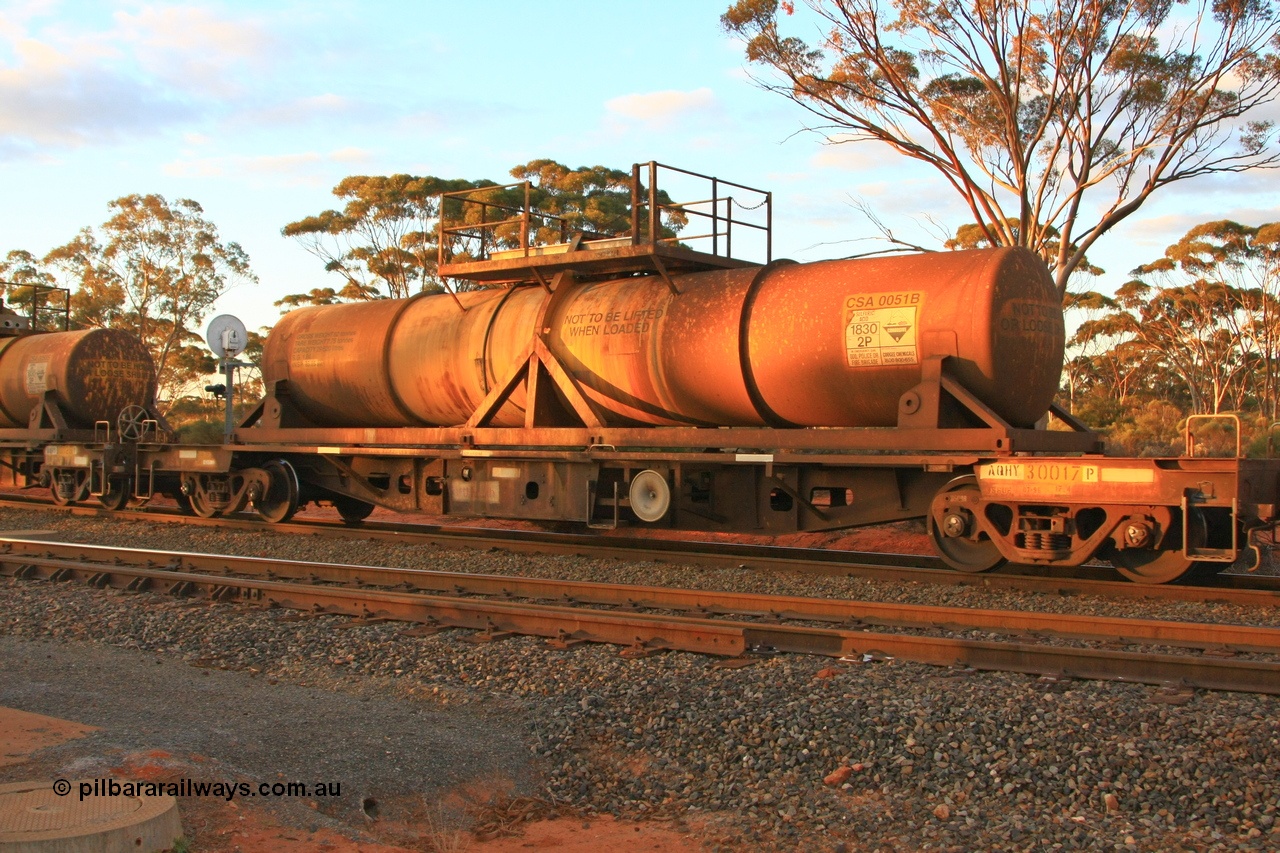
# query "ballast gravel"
(791, 753)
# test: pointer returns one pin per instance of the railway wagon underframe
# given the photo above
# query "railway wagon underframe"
(702, 490)
(76, 461)
(1155, 519)
(989, 492)
(20, 465)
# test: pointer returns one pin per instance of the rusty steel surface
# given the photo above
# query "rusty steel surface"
(1252, 590)
(616, 260)
(719, 602)
(642, 633)
(93, 375)
(837, 343)
(1119, 480)
(1152, 518)
(598, 441)
(830, 344)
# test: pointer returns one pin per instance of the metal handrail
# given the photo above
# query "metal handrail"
(478, 230)
(1189, 441)
(1271, 429)
(39, 304)
(645, 221)
(716, 217)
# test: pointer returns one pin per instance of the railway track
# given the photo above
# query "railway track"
(1253, 590)
(644, 620)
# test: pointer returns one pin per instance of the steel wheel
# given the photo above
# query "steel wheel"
(280, 500)
(199, 500)
(954, 529)
(81, 492)
(117, 494)
(352, 510)
(1147, 565)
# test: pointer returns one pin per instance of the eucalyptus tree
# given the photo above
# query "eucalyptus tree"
(384, 240)
(29, 286)
(1052, 120)
(1199, 326)
(156, 269)
(384, 236)
(1234, 269)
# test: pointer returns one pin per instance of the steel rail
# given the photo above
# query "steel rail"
(460, 536)
(1230, 589)
(851, 613)
(644, 633)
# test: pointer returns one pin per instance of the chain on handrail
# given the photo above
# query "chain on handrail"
(762, 203)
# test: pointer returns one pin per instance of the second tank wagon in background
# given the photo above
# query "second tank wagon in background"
(93, 386)
(642, 378)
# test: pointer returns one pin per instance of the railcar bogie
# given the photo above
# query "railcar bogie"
(277, 499)
(351, 510)
(68, 485)
(1155, 520)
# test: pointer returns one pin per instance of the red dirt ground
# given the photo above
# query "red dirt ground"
(250, 831)
(216, 826)
(22, 733)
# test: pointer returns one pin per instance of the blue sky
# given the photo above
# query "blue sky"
(256, 109)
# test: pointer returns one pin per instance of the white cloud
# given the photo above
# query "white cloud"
(50, 97)
(304, 167)
(17, 13)
(1161, 227)
(849, 157)
(660, 109)
(1154, 233)
(194, 49)
(309, 109)
(846, 153)
(448, 115)
(63, 86)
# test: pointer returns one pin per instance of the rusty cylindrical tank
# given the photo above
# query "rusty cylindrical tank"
(93, 374)
(834, 343)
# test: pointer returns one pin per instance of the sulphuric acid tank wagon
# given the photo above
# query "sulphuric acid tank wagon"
(630, 378)
(828, 344)
(91, 375)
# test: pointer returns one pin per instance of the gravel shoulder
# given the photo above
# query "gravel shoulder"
(936, 759)
(243, 726)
